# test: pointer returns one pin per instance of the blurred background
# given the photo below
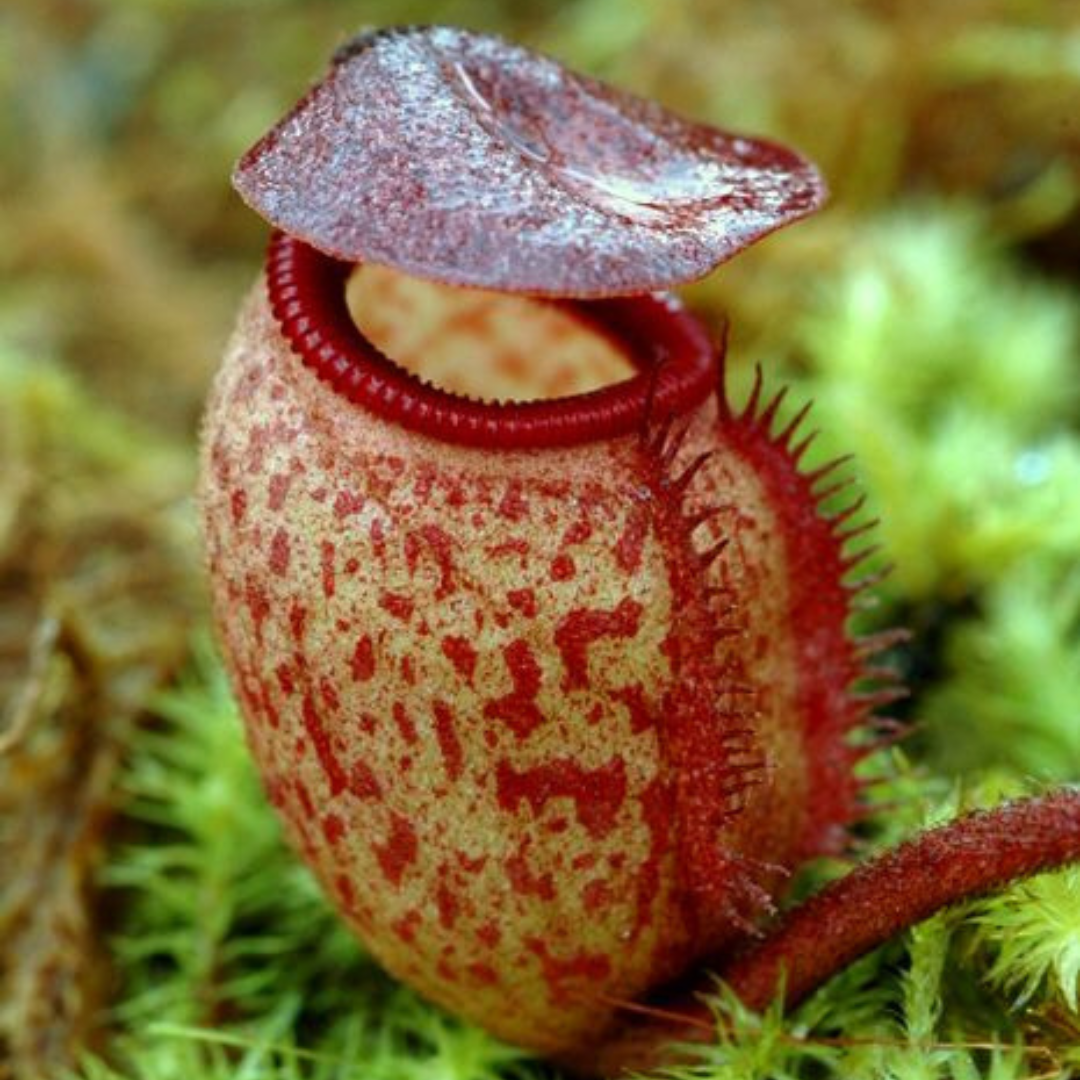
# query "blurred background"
(931, 312)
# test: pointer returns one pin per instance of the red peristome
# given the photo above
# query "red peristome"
(464, 159)
(308, 300)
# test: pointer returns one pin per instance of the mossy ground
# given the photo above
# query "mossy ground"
(153, 925)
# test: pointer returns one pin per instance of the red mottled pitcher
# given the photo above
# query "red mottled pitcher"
(540, 643)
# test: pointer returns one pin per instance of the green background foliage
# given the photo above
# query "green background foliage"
(931, 314)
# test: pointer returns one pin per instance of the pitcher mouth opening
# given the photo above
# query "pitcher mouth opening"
(664, 359)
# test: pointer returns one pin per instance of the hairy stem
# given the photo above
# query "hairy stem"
(855, 914)
(973, 855)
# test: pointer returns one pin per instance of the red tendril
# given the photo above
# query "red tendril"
(957, 861)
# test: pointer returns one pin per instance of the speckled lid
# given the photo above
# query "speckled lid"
(465, 159)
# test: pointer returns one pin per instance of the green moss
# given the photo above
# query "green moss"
(951, 377)
(997, 706)
(1033, 933)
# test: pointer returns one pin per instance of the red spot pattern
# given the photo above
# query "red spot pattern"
(285, 680)
(631, 544)
(582, 627)
(362, 664)
(404, 723)
(297, 620)
(307, 804)
(363, 783)
(378, 539)
(347, 503)
(483, 973)
(261, 438)
(328, 693)
(397, 604)
(327, 554)
(448, 905)
(238, 505)
(441, 547)
(471, 864)
(633, 697)
(518, 708)
(562, 568)
(411, 548)
(524, 881)
(269, 707)
(560, 973)
(405, 927)
(399, 852)
(453, 757)
(523, 600)
(333, 828)
(258, 604)
(346, 892)
(278, 490)
(578, 533)
(519, 547)
(596, 895)
(488, 934)
(513, 506)
(598, 794)
(460, 652)
(336, 776)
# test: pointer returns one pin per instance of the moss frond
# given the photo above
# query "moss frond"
(997, 707)
(886, 1017)
(1032, 933)
(950, 374)
(928, 315)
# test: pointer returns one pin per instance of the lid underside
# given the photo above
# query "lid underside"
(464, 159)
